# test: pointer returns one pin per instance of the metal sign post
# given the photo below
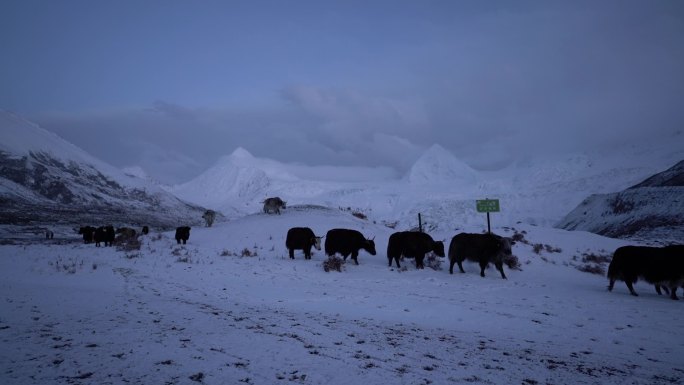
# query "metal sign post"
(487, 206)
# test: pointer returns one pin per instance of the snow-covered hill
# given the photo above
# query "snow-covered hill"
(437, 186)
(44, 179)
(230, 307)
(652, 209)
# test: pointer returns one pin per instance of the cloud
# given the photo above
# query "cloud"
(354, 125)
(492, 83)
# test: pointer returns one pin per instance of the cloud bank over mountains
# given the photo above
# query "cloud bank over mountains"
(345, 84)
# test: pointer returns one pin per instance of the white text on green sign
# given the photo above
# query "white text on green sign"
(487, 205)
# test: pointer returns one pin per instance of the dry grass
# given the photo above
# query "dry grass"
(333, 263)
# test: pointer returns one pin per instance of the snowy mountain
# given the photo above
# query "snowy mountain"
(652, 209)
(438, 185)
(44, 179)
(439, 166)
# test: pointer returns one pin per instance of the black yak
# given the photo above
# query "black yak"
(182, 234)
(273, 205)
(661, 266)
(412, 244)
(302, 238)
(104, 234)
(346, 242)
(481, 248)
(110, 234)
(99, 236)
(88, 232)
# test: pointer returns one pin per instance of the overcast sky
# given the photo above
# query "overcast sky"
(173, 85)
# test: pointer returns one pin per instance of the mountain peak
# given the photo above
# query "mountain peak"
(241, 153)
(438, 165)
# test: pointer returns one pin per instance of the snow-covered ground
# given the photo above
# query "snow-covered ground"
(204, 313)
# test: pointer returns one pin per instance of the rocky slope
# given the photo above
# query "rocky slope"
(46, 180)
(652, 209)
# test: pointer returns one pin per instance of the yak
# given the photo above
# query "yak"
(661, 266)
(110, 234)
(209, 217)
(302, 238)
(182, 234)
(99, 235)
(346, 242)
(145, 230)
(125, 233)
(412, 244)
(273, 205)
(87, 232)
(104, 234)
(481, 248)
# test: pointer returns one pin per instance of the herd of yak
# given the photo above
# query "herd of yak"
(105, 234)
(660, 266)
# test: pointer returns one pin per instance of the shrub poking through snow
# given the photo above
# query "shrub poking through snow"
(248, 253)
(69, 266)
(333, 263)
(512, 262)
(593, 269)
(519, 237)
(433, 261)
(593, 263)
(551, 249)
(129, 244)
(538, 247)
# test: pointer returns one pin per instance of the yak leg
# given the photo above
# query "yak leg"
(419, 262)
(291, 253)
(483, 266)
(307, 253)
(611, 284)
(659, 287)
(354, 256)
(631, 288)
(460, 266)
(673, 293)
(499, 266)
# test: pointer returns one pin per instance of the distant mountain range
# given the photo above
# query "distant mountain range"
(46, 180)
(652, 209)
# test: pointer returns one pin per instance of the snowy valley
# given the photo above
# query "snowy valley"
(231, 307)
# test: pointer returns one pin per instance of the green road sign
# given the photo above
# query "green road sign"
(487, 206)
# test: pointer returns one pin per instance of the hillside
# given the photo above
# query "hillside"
(230, 307)
(45, 180)
(438, 185)
(652, 209)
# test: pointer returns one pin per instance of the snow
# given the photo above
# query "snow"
(21, 137)
(168, 313)
(439, 166)
(206, 312)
